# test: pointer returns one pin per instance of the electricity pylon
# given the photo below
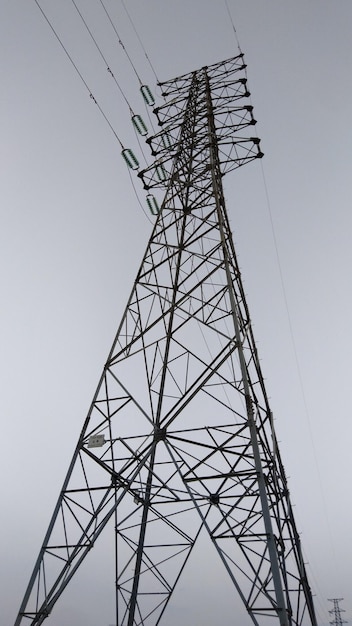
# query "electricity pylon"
(336, 612)
(179, 437)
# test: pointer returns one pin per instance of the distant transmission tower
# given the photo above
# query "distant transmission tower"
(336, 612)
(179, 438)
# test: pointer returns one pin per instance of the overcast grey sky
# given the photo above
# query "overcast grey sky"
(73, 234)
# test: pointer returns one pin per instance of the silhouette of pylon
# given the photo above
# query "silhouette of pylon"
(179, 437)
(336, 612)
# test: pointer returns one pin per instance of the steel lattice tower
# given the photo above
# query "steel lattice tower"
(336, 612)
(179, 437)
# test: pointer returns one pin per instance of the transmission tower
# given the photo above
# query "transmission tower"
(336, 612)
(179, 437)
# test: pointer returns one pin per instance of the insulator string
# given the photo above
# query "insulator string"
(128, 56)
(132, 113)
(91, 95)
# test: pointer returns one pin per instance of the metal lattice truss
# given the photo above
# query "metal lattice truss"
(179, 437)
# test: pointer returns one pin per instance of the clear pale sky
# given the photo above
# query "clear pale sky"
(73, 234)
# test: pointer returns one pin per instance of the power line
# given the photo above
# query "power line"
(140, 41)
(127, 154)
(102, 55)
(233, 26)
(120, 40)
(79, 73)
(291, 332)
(128, 56)
(135, 118)
(146, 56)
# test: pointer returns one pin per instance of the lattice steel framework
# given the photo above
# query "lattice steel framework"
(336, 612)
(179, 437)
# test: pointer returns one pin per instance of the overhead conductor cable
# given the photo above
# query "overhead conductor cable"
(78, 72)
(102, 55)
(127, 154)
(145, 90)
(140, 41)
(137, 120)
